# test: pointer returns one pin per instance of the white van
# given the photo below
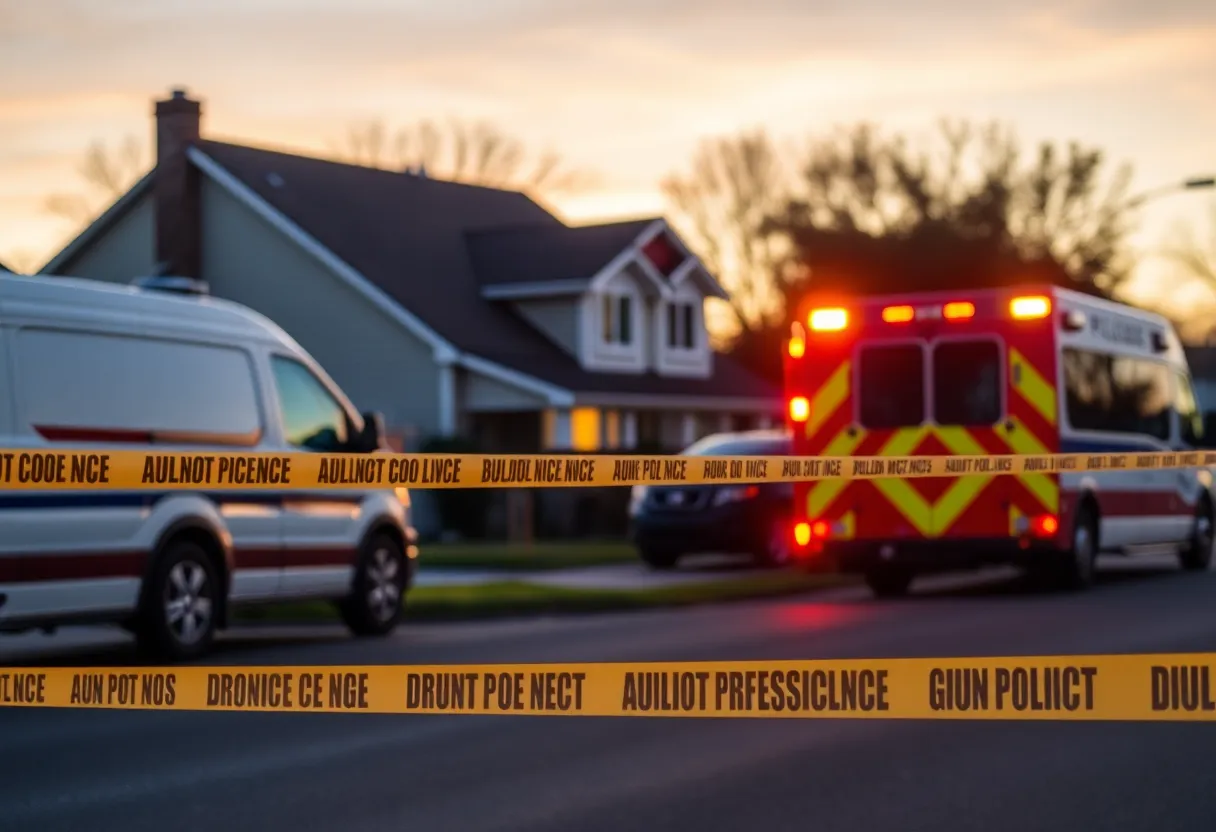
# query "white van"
(87, 364)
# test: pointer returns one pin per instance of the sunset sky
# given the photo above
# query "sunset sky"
(624, 88)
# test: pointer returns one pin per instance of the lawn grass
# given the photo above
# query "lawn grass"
(524, 557)
(517, 598)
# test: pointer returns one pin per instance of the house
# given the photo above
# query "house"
(455, 310)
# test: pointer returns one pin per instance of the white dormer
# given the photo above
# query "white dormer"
(643, 311)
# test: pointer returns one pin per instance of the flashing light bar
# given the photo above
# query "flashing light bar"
(1030, 308)
(828, 320)
(961, 310)
(898, 314)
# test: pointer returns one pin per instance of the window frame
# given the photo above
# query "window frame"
(353, 426)
(1182, 380)
(612, 305)
(682, 329)
(159, 434)
(1171, 371)
(926, 367)
(1002, 380)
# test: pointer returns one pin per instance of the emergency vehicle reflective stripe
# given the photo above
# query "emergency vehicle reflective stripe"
(1032, 387)
(1040, 394)
(825, 491)
(829, 397)
(965, 490)
(901, 493)
(1021, 441)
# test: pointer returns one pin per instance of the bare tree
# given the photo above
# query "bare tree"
(107, 174)
(474, 152)
(1196, 257)
(1055, 209)
(721, 205)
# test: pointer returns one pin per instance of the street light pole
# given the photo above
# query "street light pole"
(1193, 184)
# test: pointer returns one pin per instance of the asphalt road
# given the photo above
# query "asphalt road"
(98, 771)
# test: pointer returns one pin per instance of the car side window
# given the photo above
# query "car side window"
(1190, 420)
(312, 418)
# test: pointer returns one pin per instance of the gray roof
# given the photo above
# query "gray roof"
(544, 252)
(430, 244)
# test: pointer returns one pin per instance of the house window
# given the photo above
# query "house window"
(682, 326)
(618, 319)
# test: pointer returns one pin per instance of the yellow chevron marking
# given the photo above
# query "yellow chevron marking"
(829, 397)
(1022, 441)
(1032, 387)
(915, 509)
(824, 491)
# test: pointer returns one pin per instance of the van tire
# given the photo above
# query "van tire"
(889, 582)
(184, 582)
(376, 603)
(1080, 567)
(1196, 555)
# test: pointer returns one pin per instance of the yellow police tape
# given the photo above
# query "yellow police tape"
(1167, 687)
(34, 469)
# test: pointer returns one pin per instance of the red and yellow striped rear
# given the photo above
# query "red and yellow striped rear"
(822, 368)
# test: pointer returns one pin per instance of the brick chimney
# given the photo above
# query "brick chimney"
(176, 187)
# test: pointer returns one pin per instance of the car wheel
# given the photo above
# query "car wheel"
(775, 550)
(178, 614)
(662, 559)
(1196, 556)
(1079, 569)
(377, 599)
(889, 582)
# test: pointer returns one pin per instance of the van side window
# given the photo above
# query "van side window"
(95, 387)
(891, 379)
(312, 418)
(1190, 420)
(1117, 394)
(967, 383)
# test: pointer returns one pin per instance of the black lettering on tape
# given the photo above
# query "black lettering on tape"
(660, 691)
(1184, 688)
(958, 689)
(1068, 688)
(448, 691)
(18, 688)
(158, 690)
(348, 691)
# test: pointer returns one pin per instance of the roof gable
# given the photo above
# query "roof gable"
(544, 252)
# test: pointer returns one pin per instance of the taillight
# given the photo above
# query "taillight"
(820, 529)
(797, 348)
(898, 314)
(1045, 525)
(802, 533)
(958, 311)
(828, 320)
(1029, 308)
(800, 409)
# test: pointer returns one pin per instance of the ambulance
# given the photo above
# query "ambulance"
(1026, 370)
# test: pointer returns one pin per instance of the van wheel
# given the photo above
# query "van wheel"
(1079, 569)
(1196, 556)
(178, 615)
(377, 601)
(889, 582)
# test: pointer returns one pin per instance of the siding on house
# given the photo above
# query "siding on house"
(557, 318)
(378, 364)
(126, 251)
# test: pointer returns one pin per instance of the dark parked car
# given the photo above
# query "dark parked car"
(667, 522)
